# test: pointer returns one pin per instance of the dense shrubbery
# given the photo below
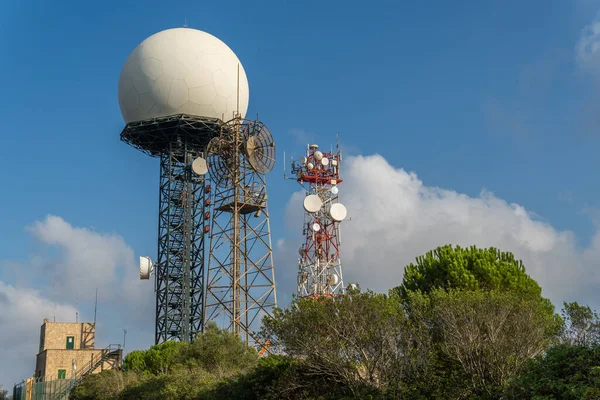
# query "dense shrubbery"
(464, 324)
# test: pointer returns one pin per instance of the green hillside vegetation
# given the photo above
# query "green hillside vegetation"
(465, 323)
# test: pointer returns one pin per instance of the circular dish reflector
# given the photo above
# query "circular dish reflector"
(325, 161)
(335, 190)
(303, 160)
(199, 166)
(318, 155)
(332, 279)
(145, 267)
(312, 203)
(310, 165)
(337, 212)
(316, 227)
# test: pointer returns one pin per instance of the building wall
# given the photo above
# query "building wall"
(50, 361)
(53, 335)
(54, 355)
(43, 336)
(40, 365)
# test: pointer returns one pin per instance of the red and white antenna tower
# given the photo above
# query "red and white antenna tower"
(319, 264)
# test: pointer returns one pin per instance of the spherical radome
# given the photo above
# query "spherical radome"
(182, 71)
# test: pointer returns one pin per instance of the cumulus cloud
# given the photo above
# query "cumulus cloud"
(588, 48)
(71, 263)
(22, 312)
(396, 217)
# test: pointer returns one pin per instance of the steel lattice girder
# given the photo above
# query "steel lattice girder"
(180, 267)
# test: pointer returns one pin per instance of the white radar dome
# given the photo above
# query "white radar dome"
(182, 71)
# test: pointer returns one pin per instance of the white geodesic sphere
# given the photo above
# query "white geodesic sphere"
(182, 71)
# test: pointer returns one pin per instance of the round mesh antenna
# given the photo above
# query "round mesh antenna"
(260, 148)
(218, 160)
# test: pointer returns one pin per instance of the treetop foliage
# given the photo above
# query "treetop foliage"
(472, 268)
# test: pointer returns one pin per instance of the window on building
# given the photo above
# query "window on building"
(62, 374)
(70, 342)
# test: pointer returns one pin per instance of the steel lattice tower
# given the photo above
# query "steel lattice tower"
(179, 273)
(240, 278)
(319, 264)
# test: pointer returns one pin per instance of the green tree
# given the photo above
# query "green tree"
(179, 384)
(448, 267)
(219, 352)
(360, 342)
(159, 359)
(173, 370)
(3, 393)
(103, 386)
(482, 339)
(563, 372)
(269, 380)
(581, 325)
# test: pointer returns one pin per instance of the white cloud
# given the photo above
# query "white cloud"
(71, 264)
(588, 48)
(395, 217)
(22, 312)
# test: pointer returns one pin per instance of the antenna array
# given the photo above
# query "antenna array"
(319, 264)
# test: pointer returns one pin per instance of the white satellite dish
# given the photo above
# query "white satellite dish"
(332, 279)
(335, 190)
(316, 227)
(303, 160)
(146, 267)
(199, 166)
(301, 251)
(310, 166)
(313, 146)
(318, 155)
(325, 161)
(312, 203)
(337, 212)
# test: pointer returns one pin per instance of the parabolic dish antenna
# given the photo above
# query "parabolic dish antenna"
(219, 157)
(310, 166)
(316, 227)
(337, 212)
(199, 166)
(260, 148)
(312, 203)
(332, 279)
(335, 190)
(146, 267)
(318, 155)
(303, 160)
(325, 161)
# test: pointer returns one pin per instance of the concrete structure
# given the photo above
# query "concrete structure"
(67, 348)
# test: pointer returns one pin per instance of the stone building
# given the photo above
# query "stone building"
(67, 350)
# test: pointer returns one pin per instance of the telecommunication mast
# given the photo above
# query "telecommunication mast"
(319, 264)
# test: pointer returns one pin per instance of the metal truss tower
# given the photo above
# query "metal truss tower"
(179, 273)
(319, 264)
(240, 286)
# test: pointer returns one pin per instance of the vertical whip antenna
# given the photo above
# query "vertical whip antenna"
(238, 89)
(95, 307)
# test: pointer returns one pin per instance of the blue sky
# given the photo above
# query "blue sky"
(468, 95)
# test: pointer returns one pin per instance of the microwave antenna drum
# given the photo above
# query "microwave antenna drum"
(220, 158)
(260, 148)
